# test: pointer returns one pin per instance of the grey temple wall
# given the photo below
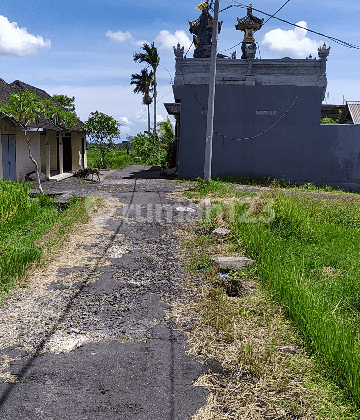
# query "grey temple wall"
(298, 148)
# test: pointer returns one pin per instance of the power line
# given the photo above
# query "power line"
(260, 134)
(227, 49)
(338, 41)
(228, 7)
(276, 12)
(188, 49)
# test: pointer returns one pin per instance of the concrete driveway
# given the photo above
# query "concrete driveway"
(88, 337)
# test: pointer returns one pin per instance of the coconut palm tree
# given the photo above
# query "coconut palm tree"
(151, 57)
(143, 84)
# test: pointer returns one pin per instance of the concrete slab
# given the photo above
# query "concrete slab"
(226, 263)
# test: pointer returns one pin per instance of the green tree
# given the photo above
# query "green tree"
(26, 108)
(167, 139)
(151, 57)
(66, 102)
(144, 144)
(102, 130)
(143, 84)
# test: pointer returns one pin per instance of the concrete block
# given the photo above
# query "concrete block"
(221, 232)
(225, 263)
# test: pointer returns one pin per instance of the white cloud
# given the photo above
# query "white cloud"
(168, 40)
(139, 43)
(125, 121)
(293, 42)
(119, 36)
(17, 41)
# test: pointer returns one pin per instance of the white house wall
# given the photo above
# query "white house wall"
(38, 148)
(23, 163)
(50, 138)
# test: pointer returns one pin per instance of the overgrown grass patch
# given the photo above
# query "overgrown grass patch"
(290, 347)
(33, 229)
(309, 255)
(271, 182)
(213, 188)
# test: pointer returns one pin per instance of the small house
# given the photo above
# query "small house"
(58, 151)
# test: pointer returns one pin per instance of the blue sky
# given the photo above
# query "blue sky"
(85, 48)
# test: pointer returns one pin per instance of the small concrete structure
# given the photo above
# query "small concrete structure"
(221, 232)
(226, 263)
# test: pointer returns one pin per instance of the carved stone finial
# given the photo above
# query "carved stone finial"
(323, 52)
(179, 55)
(179, 51)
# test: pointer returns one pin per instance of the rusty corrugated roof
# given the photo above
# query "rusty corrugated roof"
(354, 108)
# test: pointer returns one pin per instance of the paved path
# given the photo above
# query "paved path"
(89, 338)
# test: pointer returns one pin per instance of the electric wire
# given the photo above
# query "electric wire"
(336, 40)
(188, 49)
(227, 49)
(276, 12)
(260, 134)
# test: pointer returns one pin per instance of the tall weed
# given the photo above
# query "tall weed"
(309, 256)
(13, 198)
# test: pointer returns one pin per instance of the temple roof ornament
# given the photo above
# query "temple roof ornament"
(202, 29)
(249, 24)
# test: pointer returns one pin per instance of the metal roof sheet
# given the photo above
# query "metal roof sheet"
(354, 108)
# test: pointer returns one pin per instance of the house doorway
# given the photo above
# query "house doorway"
(8, 142)
(83, 147)
(67, 154)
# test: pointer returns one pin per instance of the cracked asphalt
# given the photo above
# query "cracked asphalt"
(89, 337)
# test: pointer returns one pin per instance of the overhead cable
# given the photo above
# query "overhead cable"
(338, 41)
(276, 12)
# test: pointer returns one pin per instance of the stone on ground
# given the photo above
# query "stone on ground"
(220, 232)
(225, 263)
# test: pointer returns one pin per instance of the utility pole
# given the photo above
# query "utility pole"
(211, 99)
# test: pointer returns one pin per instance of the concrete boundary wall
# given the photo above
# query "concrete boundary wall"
(298, 148)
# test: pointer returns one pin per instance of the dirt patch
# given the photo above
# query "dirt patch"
(33, 309)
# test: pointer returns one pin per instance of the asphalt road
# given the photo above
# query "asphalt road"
(90, 339)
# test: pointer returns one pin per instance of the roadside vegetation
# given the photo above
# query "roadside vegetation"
(289, 340)
(156, 151)
(115, 159)
(32, 228)
(268, 182)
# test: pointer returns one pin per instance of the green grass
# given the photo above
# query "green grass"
(25, 223)
(116, 159)
(13, 198)
(309, 255)
(269, 181)
(214, 187)
(307, 260)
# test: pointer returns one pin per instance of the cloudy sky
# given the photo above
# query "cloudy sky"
(84, 48)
